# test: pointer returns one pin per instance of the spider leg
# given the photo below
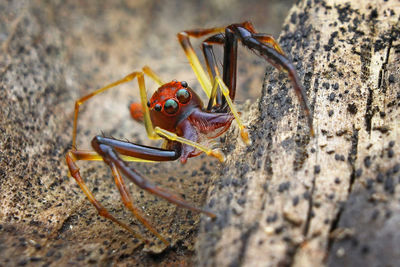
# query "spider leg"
(264, 44)
(74, 154)
(230, 58)
(74, 170)
(269, 39)
(184, 40)
(128, 78)
(230, 65)
(149, 72)
(225, 91)
(113, 152)
(110, 149)
(90, 155)
(127, 200)
(174, 137)
(276, 57)
(229, 40)
(208, 53)
(212, 67)
(146, 113)
(125, 196)
(83, 99)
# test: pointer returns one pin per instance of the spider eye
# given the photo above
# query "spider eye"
(183, 96)
(171, 106)
(157, 107)
(184, 84)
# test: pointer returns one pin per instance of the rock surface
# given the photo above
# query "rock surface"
(293, 200)
(52, 53)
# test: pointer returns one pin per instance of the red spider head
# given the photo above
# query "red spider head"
(172, 103)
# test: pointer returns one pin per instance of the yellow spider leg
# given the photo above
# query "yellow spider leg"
(195, 63)
(225, 91)
(213, 93)
(143, 95)
(146, 113)
(74, 155)
(184, 40)
(90, 155)
(149, 72)
(173, 137)
(80, 101)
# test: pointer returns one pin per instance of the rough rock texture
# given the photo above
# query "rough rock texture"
(53, 52)
(289, 199)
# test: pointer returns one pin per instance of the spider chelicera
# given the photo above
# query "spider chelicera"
(176, 114)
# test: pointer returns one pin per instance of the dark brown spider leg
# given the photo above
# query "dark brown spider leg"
(108, 149)
(209, 53)
(212, 66)
(269, 39)
(74, 170)
(228, 83)
(278, 60)
(230, 65)
(230, 58)
(229, 68)
(127, 200)
(229, 40)
(135, 152)
(209, 57)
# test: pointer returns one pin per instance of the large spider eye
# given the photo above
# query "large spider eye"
(171, 106)
(183, 96)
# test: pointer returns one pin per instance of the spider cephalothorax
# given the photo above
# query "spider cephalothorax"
(175, 107)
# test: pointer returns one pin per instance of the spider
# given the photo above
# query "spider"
(176, 114)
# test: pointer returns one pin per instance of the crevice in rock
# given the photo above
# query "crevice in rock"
(381, 80)
(352, 157)
(245, 237)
